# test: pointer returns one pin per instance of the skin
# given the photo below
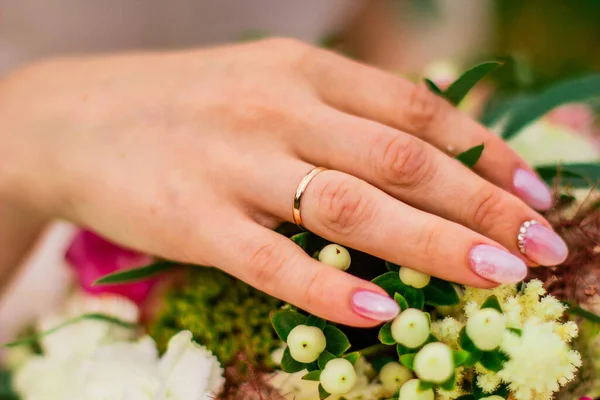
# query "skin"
(195, 156)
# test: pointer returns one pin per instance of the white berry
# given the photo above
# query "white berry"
(411, 328)
(306, 343)
(494, 397)
(486, 328)
(336, 256)
(393, 375)
(414, 278)
(410, 391)
(338, 376)
(434, 363)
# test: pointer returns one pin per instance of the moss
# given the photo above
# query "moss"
(224, 314)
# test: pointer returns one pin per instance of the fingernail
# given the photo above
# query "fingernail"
(541, 245)
(497, 265)
(532, 190)
(374, 305)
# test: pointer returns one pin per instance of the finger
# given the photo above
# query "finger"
(415, 172)
(277, 266)
(412, 108)
(349, 211)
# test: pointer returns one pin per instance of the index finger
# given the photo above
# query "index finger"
(412, 108)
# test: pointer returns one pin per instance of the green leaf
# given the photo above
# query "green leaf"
(578, 175)
(477, 392)
(493, 360)
(449, 384)
(90, 316)
(460, 357)
(461, 87)
(392, 267)
(470, 157)
(492, 302)
(301, 239)
(430, 339)
(352, 357)
(324, 358)
(6, 387)
(516, 331)
(440, 293)
(433, 87)
(423, 386)
(414, 297)
(401, 301)
(385, 334)
(570, 91)
(313, 320)
(337, 341)
(408, 360)
(289, 365)
(322, 393)
(284, 321)
(312, 376)
(390, 282)
(576, 310)
(466, 343)
(136, 274)
(402, 350)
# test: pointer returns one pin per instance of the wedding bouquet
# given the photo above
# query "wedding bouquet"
(178, 332)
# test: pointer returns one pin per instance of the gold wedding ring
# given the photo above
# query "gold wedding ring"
(300, 191)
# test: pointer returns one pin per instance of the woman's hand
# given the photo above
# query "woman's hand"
(195, 156)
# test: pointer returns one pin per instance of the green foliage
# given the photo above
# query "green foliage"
(433, 87)
(463, 85)
(390, 282)
(423, 386)
(392, 267)
(408, 360)
(460, 357)
(6, 389)
(492, 302)
(136, 274)
(288, 364)
(470, 157)
(315, 321)
(581, 175)
(312, 376)
(493, 360)
(224, 314)
(440, 293)
(322, 393)
(352, 357)
(284, 321)
(401, 301)
(337, 341)
(324, 358)
(385, 334)
(575, 90)
(414, 297)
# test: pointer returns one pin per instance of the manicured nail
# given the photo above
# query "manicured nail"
(532, 190)
(497, 265)
(374, 305)
(541, 245)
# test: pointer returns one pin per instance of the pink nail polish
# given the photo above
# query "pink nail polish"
(532, 190)
(374, 305)
(541, 245)
(497, 265)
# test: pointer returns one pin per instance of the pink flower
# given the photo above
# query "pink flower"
(93, 257)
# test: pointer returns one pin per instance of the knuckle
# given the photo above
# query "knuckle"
(288, 48)
(487, 208)
(343, 207)
(428, 239)
(265, 262)
(314, 288)
(405, 162)
(423, 108)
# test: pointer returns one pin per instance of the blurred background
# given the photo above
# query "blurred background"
(540, 41)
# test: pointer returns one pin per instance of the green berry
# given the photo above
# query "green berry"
(335, 256)
(306, 343)
(434, 363)
(414, 278)
(411, 328)
(338, 376)
(410, 391)
(393, 375)
(486, 328)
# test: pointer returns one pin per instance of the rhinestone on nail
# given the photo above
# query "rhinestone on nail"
(522, 234)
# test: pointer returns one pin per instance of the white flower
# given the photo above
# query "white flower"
(539, 361)
(190, 371)
(488, 382)
(550, 309)
(125, 371)
(82, 338)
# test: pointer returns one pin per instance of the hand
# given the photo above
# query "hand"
(195, 156)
